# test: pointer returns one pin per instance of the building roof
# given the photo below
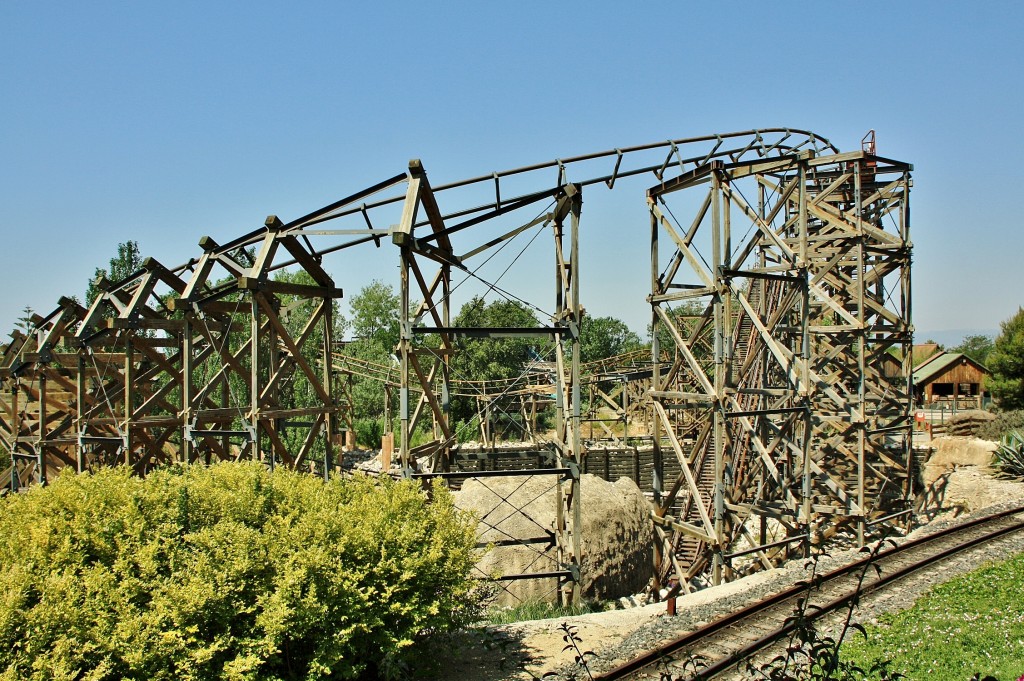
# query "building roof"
(923, 351)
(919, 365)
(936, 365)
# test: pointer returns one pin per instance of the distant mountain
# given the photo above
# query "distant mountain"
(951, 337)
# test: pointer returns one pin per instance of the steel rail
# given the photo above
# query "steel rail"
(500, 206)
(820, 611)
(672, 145)
(653, 657)
(344, 207)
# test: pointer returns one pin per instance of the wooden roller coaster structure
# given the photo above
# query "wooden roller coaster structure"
(776, 389)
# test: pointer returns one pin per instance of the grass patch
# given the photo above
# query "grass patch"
(971, 624)
(539, 610)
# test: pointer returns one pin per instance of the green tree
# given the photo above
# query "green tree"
(375, 315)
(975, 346)
(492, 359)
(489, 359)
(375, 329)
(602, 337)
(24, 322)
(1006, 362)
(127, 260)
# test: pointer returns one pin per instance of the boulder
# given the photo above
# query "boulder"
(952, 452)
(616, 535)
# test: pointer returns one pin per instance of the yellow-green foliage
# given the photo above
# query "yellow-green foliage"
(227, 572)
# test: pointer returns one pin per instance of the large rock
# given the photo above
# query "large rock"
(616, 534)
(952, 452)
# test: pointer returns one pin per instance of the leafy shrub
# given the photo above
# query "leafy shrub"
(227, 572)
(369, 431)
(1005, 422)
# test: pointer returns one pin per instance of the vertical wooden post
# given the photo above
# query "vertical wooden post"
(225, 400)
(80, 410)
(15, 432)
(804, 392)
(661, 548)
(562, 403)
(405, 348)
(254, 383)
(860, 292)
(41, 443)
(720, 325)
(402, 237)
(907, 339)
(576, 319)
(129, 399)
(446, 358)
(270, 363)
(657, 482)
(331, 409)
(187, 368)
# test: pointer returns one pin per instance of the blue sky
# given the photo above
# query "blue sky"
(163, 122)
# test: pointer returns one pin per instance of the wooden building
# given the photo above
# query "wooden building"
(950, 379)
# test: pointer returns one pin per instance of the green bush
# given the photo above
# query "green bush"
(369, 431)
(1003, 424)
(227, 572)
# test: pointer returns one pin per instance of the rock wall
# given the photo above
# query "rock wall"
(616, 534)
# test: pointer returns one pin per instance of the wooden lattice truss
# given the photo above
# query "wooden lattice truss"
(204, 362)
(796, 376)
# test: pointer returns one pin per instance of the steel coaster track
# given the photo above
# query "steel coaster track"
(780, 605)
(682, 153)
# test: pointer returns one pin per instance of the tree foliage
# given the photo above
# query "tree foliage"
(975, 346)
(227, 572)
(1006, 362)
(375, 329)
(375, 315)
(603, 337)
(492, 360)
(127, 261)
(24, 322)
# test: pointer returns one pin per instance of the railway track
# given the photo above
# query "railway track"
(726, 642)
